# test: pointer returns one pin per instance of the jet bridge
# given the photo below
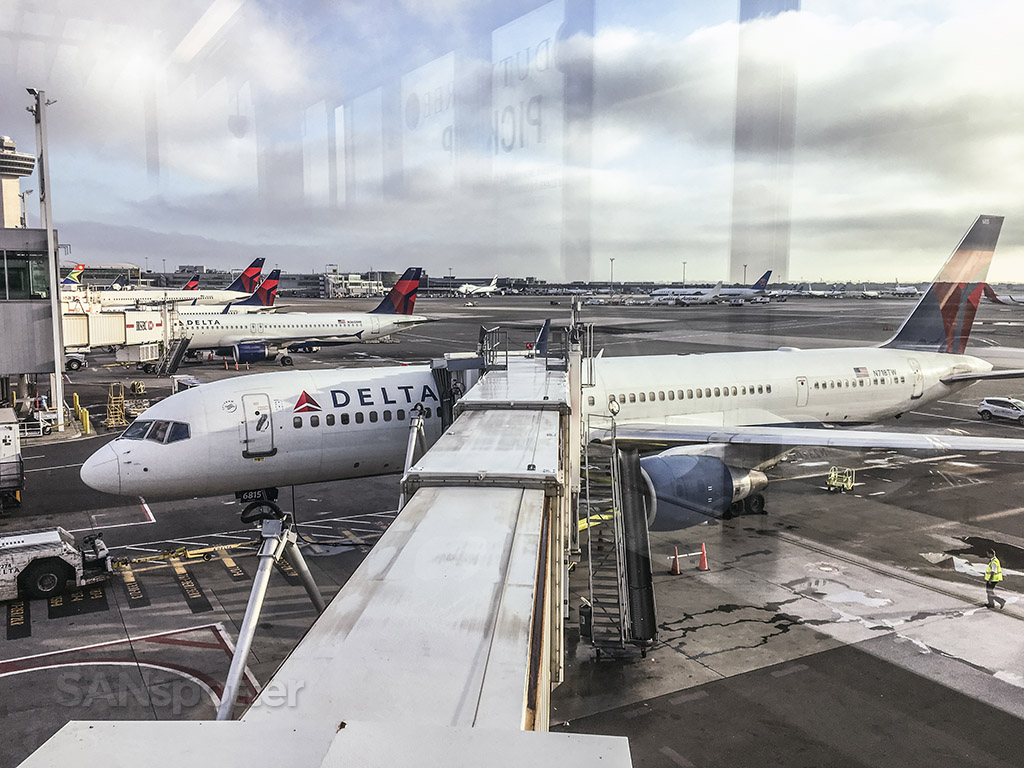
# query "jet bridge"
(443, 646)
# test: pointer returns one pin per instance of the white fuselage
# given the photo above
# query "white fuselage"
(257, 431)
(842, 386)
(208, 330)
(269, 429)
(131, 297)
(468, 289)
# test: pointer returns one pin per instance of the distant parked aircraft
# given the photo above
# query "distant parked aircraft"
(468, 289)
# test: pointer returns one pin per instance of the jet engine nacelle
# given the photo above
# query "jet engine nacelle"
(685, 489)
(248, 352)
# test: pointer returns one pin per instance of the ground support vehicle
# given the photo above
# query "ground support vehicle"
(42, 563)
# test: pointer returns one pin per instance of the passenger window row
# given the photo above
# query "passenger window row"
(698, 393)
(853, 383)
(359, 417)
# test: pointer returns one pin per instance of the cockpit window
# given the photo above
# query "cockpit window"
(137, 431)
(159, 431)
(178, 431)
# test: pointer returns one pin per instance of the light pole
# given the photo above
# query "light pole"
(38, 110)
(24, 214)
(611, 276)
(744, 274)
(684, 274)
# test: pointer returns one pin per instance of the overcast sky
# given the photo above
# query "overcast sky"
(502, 138)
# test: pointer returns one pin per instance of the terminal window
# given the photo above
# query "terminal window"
(25, 276)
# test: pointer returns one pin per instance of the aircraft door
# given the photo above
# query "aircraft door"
(801, 391)
(918, 378)
(259, 427)
(375, 326)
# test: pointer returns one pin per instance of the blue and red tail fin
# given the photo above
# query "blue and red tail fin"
(74, 277)
(249, 279)
(192, 284)
(403, 296)
(942, 319)
(762, 281)
(264, 294)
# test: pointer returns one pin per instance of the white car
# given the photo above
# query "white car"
(1003, 408)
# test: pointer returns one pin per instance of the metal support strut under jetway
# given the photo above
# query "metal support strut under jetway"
(278, 539)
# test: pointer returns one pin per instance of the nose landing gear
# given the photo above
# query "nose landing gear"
(277, 531)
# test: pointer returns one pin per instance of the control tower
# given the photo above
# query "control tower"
(13, 165)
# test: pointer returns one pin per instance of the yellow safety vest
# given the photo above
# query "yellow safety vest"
(994, 572)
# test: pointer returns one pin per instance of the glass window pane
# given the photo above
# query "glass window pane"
(137, 431)
(179, 431)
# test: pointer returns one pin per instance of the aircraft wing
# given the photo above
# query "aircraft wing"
(1005, 374)
(659, 436)
(318, 341)
(411, 320)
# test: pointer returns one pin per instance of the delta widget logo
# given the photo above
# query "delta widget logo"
(306, 404)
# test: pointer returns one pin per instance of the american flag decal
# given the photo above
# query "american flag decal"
(862, 373)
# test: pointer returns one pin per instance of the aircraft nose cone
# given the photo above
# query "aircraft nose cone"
(102, 471)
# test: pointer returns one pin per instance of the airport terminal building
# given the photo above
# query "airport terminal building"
(26, 345)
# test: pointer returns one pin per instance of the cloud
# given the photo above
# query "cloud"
(906, 126)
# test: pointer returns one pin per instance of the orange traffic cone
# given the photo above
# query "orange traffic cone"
(702, 565)
(674, 570)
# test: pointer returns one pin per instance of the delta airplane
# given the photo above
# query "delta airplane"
(468, 289)
(249, 338)
(261, 300)
(242, 287)
(712, 423)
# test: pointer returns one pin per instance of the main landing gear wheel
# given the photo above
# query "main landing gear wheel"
(754, 505)
(286, 360)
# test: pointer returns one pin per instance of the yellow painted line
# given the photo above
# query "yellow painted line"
(352, 537)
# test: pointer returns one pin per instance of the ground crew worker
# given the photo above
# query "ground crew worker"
(993, 575)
